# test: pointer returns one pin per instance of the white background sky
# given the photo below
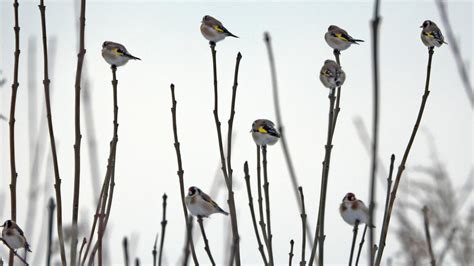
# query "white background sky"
(166, 36)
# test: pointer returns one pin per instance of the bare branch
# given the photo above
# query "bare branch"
(354, 238)
(292, 243)
(303, 227)
(164, 222)
(206, 242)
(428, 235)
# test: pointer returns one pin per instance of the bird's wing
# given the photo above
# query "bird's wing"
(342, 35)
(19, 230)
(208, 199)
(271, 130)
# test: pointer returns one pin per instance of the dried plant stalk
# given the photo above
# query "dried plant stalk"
(290, 261)
(164, 222)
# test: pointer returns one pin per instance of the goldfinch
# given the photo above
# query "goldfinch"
(338, 38)
(14, 236)
(213, 30)
(332, 75)
(264, 132)
(352, 210)
(200, 204)
(116, 54)
(431, 35)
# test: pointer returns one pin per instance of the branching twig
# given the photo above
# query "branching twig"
(279, 122)
(57, 178)
(206, 242)
(290, 260)
(84, 242)
(428, 235)
(252, 212)
(181, 172)
(164, 222)
(13, 252)
(303, 227)
(361, 244)
(77, 142)
(354, 238)
(401, 167)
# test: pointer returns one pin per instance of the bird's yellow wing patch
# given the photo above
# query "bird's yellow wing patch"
(262, 130)
(218, 28)
(339, 36)
(117, 51)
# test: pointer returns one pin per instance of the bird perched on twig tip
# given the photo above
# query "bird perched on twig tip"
(338, 38)
(200, 204)
(14, 236)
(116, 54)
(213, 30)
(264, 132)
(352, 210)
(431, 35)
(332, 75)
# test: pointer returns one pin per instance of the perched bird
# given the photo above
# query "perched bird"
(431, 35)
(352, 210)
(116, 54)
(13, 235)
(213, 30)
(200, 204)
(332, 75)
(264, 132)
(338, 38)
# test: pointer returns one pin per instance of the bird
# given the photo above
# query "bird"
(352, 210)
(264, 132)
(431, 35)
(116, 54)
(200, 204)
(213, 30)
(14, 236)
(338, 39)
(332, 75)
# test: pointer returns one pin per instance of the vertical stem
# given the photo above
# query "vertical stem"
(252, 212)
(164, 222)
(401, 167)
(84, 242)
(15, 85)
(206, 242)
(154, 251)
(354, 238)
(266, 185)
(181, 173)
(51, 207)
(361, 244)
(428, 235)
(57, 178)
(260, 200)
(290, 261)
(77, 142)
(126, 256)
(303, 223)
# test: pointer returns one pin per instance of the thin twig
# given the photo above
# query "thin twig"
(361, 244)
(375, 123)
(428, 235)
(354, 238)
(15, 85)
(281, 129)
(252, 212)
(181, 171)
(137, 261)
(453, 44)
(126, 256)
(77, 142)
(262, 224)
(290, 260)
(303, 227)
(401, 167)
(266, 186)
(51, 207)
(226, 169)
(13, 252)
(164, 222)
(84, 242)
(57, 178)
(446, 248)
(154, 252)
(387, 200)
(206, 242)
(187, 243)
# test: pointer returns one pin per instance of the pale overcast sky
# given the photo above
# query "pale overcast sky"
(166, 36)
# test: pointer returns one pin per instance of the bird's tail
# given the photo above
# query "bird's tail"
(232, 35)
(132, 57)
(356, 41)
(28, 247)
(223, 212)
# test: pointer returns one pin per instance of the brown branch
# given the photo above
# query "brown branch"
(77, 142)
(290, 260)
(428, 235)
(154, 252)
(206, 242)
(57, 178)
(375, 124)
(252, 213)
(266, 186)
(126, 256)
(401, 167)
(12, 251)
(84, 242)
(181, 172)
(164, 222)
(303, 227)
(453, 44)
(279, 122)
(51, 207)
(387, 200)
(361, 244)
(187, 243)
(354, 238)
(262, 224)
(227, 170)
(15, 85)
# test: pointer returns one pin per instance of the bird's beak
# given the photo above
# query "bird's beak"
(421, 26)
(250, 131)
